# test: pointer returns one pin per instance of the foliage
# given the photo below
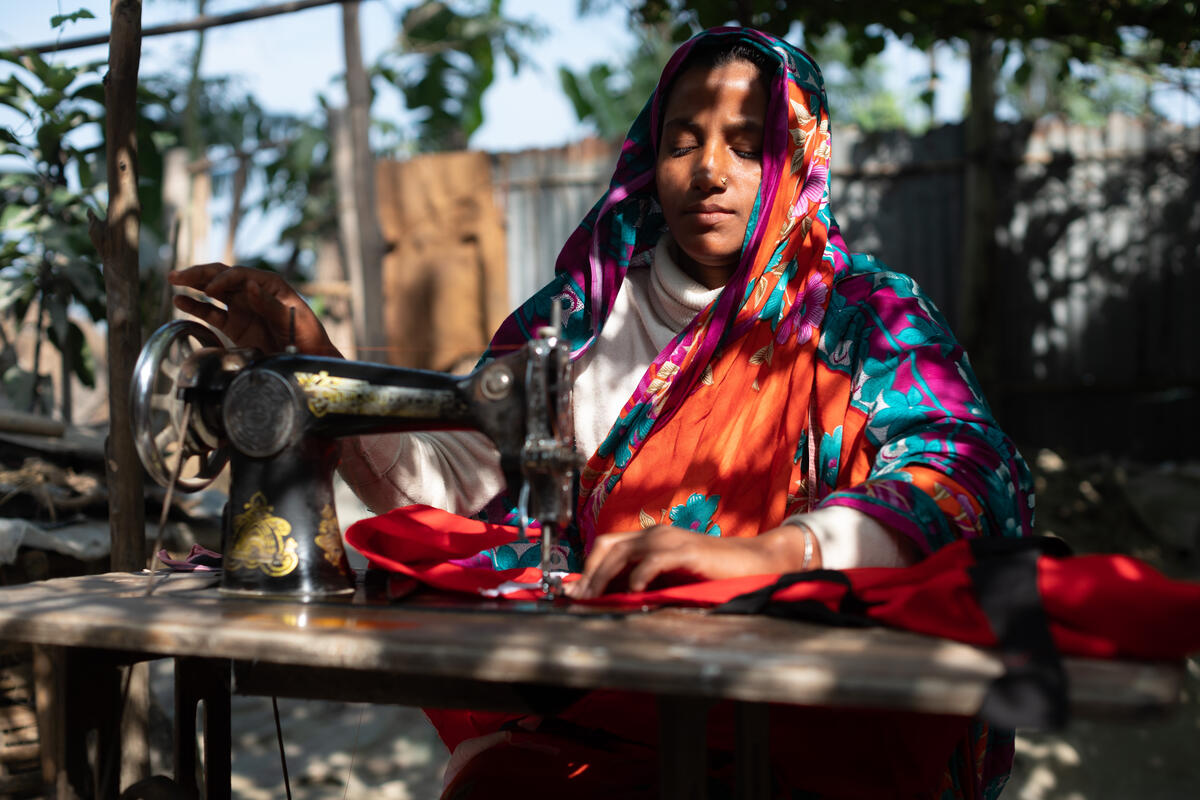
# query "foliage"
(857, 93)
(60, 20)
(1046, 81)
(445, 59)
(229, 124)
(298, 174)
(610, 98)
(1080, 41)
(1118, 27)
(46, 256)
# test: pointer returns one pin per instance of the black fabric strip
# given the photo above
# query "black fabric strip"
(1032, 692)
(850, 613)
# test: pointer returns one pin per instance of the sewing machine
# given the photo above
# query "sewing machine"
(276, 420)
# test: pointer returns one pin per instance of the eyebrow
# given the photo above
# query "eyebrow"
(738, 124)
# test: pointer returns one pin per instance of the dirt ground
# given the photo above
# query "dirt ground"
(1099, 505)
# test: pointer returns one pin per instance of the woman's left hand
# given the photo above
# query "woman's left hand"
(647, 554)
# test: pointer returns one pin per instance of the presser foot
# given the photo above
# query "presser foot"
(551, 586)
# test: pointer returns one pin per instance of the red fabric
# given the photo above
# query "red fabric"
(1098, 606)
(831, 752)
(1102, 606)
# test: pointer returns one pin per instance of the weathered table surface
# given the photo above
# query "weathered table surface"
(675, 652)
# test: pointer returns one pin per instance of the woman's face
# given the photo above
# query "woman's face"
(710, 164)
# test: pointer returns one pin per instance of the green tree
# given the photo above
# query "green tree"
(857, 92)
(1047, 81)
(445, 59)
(610, 97)
(46, 257)
(1142, 34)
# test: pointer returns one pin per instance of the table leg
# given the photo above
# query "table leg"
(203, 680)
(78, 692)
(683, 747)
(752, 756)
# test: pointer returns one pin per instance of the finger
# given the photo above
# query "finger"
(600, 550)
(197, 277)
(289, 319)
(598, 573)
(236, 279)
(207, 312)
(653, 565)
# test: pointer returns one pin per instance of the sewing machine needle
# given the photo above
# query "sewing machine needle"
(551, 583)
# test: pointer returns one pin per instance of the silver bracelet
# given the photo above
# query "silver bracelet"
(808, 546)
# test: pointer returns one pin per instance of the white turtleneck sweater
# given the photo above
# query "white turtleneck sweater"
(460, 471)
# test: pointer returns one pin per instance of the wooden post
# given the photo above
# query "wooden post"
(683, 747)
(366, 269)
(979, 189)
(116, 238)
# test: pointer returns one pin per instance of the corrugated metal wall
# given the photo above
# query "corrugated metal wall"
(1092, 324)
(543, 195)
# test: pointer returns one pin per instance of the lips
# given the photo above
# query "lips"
(708, 213)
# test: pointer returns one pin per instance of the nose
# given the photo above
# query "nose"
(711, 172)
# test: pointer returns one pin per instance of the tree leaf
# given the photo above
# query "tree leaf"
(59, 324)
(83, 362)
(19, 386)
(59, 20)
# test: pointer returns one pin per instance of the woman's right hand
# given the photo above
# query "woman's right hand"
(259, 309)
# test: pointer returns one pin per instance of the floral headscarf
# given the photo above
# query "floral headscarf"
(814, 378)
(768, 313)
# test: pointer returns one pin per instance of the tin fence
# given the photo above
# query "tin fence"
(1091, 321)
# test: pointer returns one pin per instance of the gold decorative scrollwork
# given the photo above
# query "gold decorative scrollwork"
(333, 394)
(329, 539)
(262, 541)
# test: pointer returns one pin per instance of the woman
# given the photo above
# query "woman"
(779, 405)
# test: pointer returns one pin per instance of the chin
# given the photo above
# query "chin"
(713, 258)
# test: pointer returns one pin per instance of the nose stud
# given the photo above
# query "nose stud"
(724, 181)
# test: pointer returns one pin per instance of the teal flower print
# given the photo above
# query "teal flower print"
(830, 455)
(696, 514)
(628, 434)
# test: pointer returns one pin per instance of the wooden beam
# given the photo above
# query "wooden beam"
(200, 23)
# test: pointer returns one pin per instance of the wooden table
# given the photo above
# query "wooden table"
(87, 627)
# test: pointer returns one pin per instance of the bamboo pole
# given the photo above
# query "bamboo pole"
(199, 23)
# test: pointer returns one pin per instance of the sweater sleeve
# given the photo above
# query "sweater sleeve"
(941, 469)
(455, 471)
(850, 538)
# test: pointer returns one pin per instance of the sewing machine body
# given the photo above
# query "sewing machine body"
(279, 417)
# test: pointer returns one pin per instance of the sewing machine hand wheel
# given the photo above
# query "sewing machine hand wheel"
(159, 410)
